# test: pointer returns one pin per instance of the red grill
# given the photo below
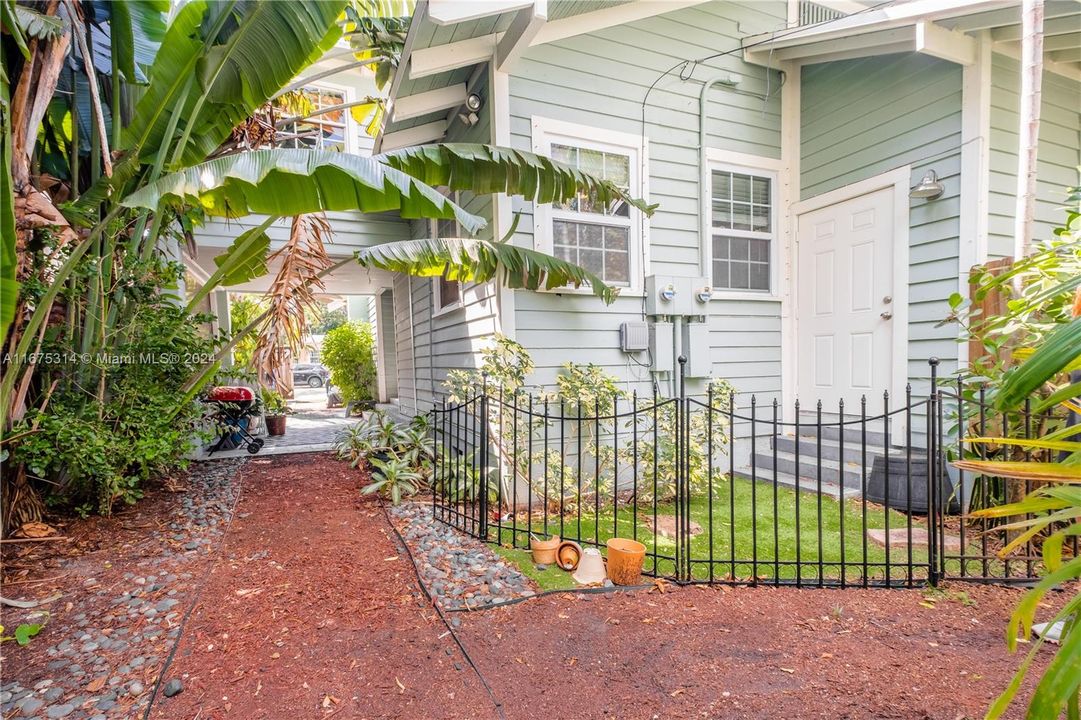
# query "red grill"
(232, 415)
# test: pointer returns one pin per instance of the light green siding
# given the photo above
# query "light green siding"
(860, 118)
(451, 339)
(1058, 155)
(599, 80)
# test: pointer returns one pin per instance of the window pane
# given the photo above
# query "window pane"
(616, 238)
(592, 260)
(722, 214)
(591, 236)
(761, 218)
(761, 191)
(449, 292)
(759, 250)
(759, 279)
(616, 268)
(564, 233)
(741, 216)
(741, 188)
(566, 253)
(740, 276)
(565, 154)
(591, 161)
(722, 185)
(720, 248)
(720, 274)
(617, 168)
(740, 249)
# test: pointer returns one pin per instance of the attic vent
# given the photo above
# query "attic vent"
(811, 13)
(633, 337)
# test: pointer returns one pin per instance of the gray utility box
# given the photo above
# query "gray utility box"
(634, 337)
(668, 295)
(696, 350)
(660, 346)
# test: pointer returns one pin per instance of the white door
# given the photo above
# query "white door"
(845, 309)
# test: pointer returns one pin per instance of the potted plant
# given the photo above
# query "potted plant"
(275, 409)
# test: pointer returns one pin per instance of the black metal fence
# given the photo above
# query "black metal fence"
(716, 492)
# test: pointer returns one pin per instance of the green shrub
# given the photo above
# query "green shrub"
(95, 443)
(349, 354)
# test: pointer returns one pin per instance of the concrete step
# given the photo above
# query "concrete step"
(831, 449)
(766, 478)
(847, 474)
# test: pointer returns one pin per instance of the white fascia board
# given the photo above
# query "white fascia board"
(600, 19)
(937, 41)
(432, 101)
(877, 43)
(419, 135)
(449, 12)
(443, 58)
(884, 19)
(523, 28)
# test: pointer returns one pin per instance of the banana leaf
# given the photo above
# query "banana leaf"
(474, 260)
(1043, 471)
(9, 288)
(484, 169)
(1057, 351)
(283, 181)
(242, 54)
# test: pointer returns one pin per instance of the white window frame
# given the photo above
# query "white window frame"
(754, 165)
(547, 131)
(349, 93)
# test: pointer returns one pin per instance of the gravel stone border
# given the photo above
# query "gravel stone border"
(460, 572)
(110, 655)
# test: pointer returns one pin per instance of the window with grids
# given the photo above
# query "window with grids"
(742, 227)
(323, 131)
(587, 232)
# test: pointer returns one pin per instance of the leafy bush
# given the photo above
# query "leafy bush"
(95, 442)
(407, 451)
(273, 402)
(349, 354)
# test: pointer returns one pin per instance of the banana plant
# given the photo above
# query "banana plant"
(1051, 512)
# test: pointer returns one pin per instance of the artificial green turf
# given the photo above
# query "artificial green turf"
(763, 548)
(553, 578)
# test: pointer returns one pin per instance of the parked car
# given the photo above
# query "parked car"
(310, 374)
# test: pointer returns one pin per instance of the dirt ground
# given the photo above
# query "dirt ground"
(312, 610)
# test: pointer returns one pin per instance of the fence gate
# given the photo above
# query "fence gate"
(720, 490)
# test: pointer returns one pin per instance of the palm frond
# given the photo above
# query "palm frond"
(292, 295)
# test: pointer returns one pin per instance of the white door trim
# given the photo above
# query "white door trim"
(898, 179)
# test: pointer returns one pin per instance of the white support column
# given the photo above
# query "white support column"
(975, 167)
(789, 195)
(503, 216)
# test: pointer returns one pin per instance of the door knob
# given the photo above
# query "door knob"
(887, 300)
(886, 315)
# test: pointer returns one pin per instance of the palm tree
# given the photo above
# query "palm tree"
(142, 163)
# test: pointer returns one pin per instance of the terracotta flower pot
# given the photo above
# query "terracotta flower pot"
(544, 551)
(568, 555)
(625, 558)
(275, 424)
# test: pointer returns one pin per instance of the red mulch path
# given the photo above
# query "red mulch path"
(329, 621)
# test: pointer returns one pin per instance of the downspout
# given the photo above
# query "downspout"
(728, 80)
(1031, 79)
(704, 251)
